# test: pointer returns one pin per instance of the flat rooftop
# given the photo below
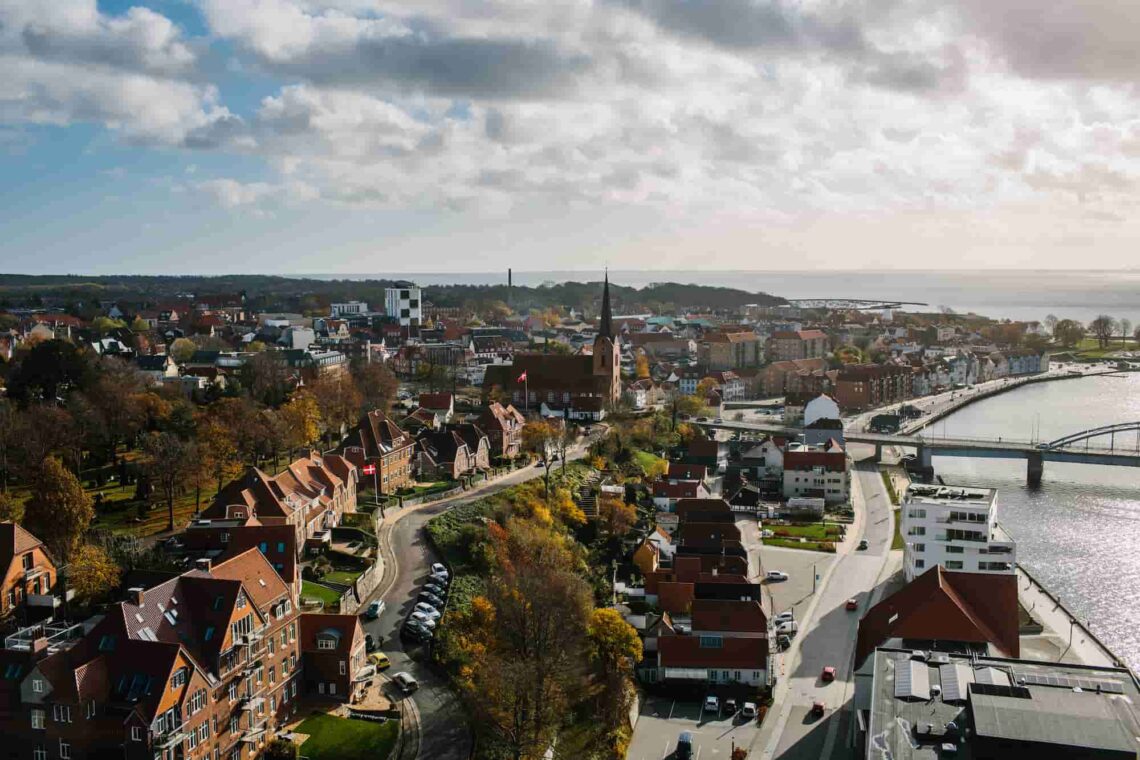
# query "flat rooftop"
(950, 496)
(916, 697)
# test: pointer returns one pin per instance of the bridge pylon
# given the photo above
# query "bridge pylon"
(1034, 469)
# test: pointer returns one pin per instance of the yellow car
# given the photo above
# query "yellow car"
(379, 659)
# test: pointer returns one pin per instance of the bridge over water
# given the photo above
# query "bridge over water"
(1123, 447)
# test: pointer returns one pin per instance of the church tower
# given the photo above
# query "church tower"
(607, 356)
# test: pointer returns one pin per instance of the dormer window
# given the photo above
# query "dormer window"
(27, 558)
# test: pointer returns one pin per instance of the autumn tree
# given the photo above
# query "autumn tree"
(169, 463)
(642, 365)
(281, 749)
(217, 453)
(339, 402)
(541, 438)
(48, 371)
(42, 431)
(616, 517)
(59, 511)
(92, 573)
(266, 377)
(615, 649)
(182, 349)
(1103, 328)
(377, 386)
(301, 417)
(11, 508)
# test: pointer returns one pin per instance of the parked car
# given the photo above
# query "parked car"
(428, 610)
(718, 420)
(432, 599)
(439, 569)
(863, 544)
(749, 711)
(712, 704)
(379, 660)
(828, 674)
(789, 628)
(370, 642)
(439, 580)
(406, 682)
(416, 632)
(784, 617)
(777, 575)
(684, 746)
(427, 621)
(783, 642)
(439, 589)
(852, 604)
(375, 609)
(730, 707)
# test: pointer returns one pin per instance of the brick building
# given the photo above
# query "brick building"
(787, 345)
(865, 386)
(731, 350)
(503, 426)
(29, 573)
(379, 441)
(334, 652)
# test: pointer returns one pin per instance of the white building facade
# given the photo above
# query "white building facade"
(404, 305)
(955, 527)
(348, 309)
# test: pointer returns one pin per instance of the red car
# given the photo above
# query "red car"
(828, 674)
(852, 604)
(817, 708)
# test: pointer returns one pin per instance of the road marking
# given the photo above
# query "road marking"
(671, 706)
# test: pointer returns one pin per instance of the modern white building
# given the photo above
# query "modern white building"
(348, 309)
(404, 305)
(955, 527)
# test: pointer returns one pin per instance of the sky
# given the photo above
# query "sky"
(349, 136)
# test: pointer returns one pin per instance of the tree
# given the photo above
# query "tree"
(266, 377)
(541, 438)
(11, 509)
(615, 648)
(8, 418)
(47, 371)
(168, 461)
(616, 517)
(1125, 331)
(739, 753)
(217, 452)
(1103, 327)
(1051, 323)
(42, 431)
(376, 384)
(705, 387)
(339, 402)
(280, 749)
(182, 349)
(59, 511)
(642, 364)
(1069, 332)
(139, 325)
(93, 574)
(103, 325)
(301, 418)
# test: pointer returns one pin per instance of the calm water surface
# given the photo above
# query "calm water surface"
(1079, 533)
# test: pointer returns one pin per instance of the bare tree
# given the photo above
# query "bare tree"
(1125, 331)
(1103, 327)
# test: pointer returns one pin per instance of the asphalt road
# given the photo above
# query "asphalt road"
(828, 638)
(444, 734)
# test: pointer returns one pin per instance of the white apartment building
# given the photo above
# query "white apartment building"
(348, 309)
(955, 527)
(404, 305)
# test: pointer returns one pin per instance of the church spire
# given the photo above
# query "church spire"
(606, 328)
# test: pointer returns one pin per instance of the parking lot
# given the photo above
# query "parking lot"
(663, 719)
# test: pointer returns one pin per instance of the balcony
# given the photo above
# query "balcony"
(252, 703)
(31, 573)
(998, 547)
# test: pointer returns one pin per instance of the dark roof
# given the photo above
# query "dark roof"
(735, 653)
(606, 324)
(682, 471)
(155, 363)
(471, 434)
(728, 615)
(942, 605)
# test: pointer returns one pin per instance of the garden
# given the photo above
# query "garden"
(333, 738)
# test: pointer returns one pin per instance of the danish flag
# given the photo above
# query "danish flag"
(522, 378)
(369, 469)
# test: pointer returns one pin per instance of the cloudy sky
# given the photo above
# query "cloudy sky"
(471, 135)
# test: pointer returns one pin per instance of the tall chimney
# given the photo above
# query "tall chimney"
(136, 595)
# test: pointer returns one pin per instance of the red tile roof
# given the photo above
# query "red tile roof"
(734, 654)
(680, 471)
(978, 608)
(722, 615)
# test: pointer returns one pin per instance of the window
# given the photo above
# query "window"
(181, 676)
(136, 733)
(710, 642)
(209, 632)
(197, 701)
(955, 550)
(272, 674)
(293, 689)
(107, 644)
(920, 547)
(64, 750)
(271, 645)
(919, 564)
(273, 704)
(326, 642)
(235, 724)
(203, 732)
(39, 753)
(280, 547)
(37, 686)
(953, 564)
(90, 709)
(343, 667)
(61, 713)
(38, 718)
(233, 691)
(27, 559)
(332, 688)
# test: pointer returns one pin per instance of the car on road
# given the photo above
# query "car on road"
(702, 419)
(783, 642)
(439, 569)
(784, 617)
(428, 610)
(379, 660)
(427, 621)
(416, 632)
(684, 746)
(718, 420)
(776, 575)
(818, 707)
(405, 682)
(375, 609)
(370, 642)
(432, 599)
(828, 674)
(712, 704)
(749, 711)
(852, 604)
(540, 463)
(863, 544)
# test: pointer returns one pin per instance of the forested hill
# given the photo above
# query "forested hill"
(306, 294)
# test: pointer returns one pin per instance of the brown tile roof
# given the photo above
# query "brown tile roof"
(735, 653)
(686, 506)
(978, 608)
(436, 401)
(686, 489)
(349, 633)
(695, 532)
(253, 570)
(720, 615)
(304, 480)
(14, 541)
(675, 596)
(680, 471)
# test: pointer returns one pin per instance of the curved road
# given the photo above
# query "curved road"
(443, 730)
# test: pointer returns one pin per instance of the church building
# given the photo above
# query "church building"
(577, 387)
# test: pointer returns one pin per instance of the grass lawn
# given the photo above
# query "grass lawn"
(816, 531)
(897, 540)
(347, 577)
(316, 591)
(333, 738)
(1089, 348)
(646, 461)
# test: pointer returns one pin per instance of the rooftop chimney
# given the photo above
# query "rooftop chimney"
(136, 595)
(203, 564)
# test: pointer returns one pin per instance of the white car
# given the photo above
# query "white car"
(439, 569)
(784, 617)
(406, 683)
(712, 704)
(428, 610)
(777, 575)
(749, 711)
(427, 621)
